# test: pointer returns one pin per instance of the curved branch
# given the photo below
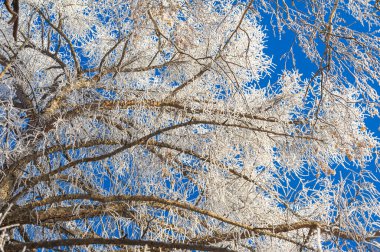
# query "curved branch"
(53, 215)
(268, 231)
(104, 241)
(9, 8)
(271, 230)
(123, 104)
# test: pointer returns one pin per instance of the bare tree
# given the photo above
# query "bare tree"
(146, 125)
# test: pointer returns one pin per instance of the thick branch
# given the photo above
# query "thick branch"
(104, 241)
(267, 231)
(55, 214)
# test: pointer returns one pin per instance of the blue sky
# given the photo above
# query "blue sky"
(284, 50)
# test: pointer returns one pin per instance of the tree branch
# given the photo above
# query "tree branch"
(103, 241)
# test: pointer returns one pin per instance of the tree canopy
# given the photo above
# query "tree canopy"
(130, 125)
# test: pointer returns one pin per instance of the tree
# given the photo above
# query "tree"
(146, 125)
